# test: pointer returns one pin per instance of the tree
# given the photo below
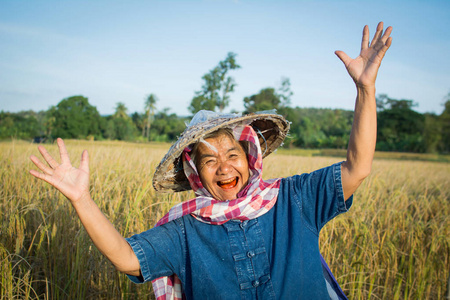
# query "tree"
(21, 125)
(200, 102)
(284, 92)
(121, 111)
(166, 127)
(74, 117)
(150, 109)
(216, 87)
(266, 99)
(110, 129)
(399, 127)
(432, 132)
(444, 120)
(49, 121)
(139, 121)
(384, 102)
(124, 128)
(318, 127)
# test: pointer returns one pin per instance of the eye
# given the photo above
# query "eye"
(208, 162)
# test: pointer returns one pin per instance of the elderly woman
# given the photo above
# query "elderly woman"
(241, 237)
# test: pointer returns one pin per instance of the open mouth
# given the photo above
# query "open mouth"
(228, 184)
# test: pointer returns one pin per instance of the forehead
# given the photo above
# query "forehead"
(220, 143)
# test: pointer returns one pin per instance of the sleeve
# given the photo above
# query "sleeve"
(320, 196)
(159, 251)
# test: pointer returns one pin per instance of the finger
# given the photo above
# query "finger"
(45, 177)
(386, 34)
(388, 42)
(84, 163)
(365, 38)
(377, 33)
(381, 41)
(63, 151)
(343, 57)
(385, 47)
(40, 165)
(48, 158)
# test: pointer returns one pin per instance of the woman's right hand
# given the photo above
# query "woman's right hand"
(72, 182)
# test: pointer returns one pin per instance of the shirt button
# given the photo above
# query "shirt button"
(250, 254)
(255, 283)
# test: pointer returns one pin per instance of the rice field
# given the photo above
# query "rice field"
(394, 243)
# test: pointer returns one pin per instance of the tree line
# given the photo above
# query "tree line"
(400, 128)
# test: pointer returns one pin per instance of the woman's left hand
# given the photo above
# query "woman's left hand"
(364, 68)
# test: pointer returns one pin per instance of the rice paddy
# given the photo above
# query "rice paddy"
(394, 243)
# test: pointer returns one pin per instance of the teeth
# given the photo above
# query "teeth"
(227, 181)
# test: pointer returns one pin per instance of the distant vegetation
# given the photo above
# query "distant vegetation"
(400, 128)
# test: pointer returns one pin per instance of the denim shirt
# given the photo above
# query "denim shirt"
(275, 256)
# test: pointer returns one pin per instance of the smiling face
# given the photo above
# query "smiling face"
(222, 166)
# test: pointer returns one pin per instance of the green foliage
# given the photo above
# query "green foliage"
(318, 127)
(444, 120)
(150, 109)
(384, 102)
(216, 87)
(121, 111)
(139, 121)
(200, 102)
(431, 133)
(22, 125)
(75, 118)
(402, 129)
(124, 129)
(110, 129)
(284, 91)
(120, 125)
(399, 127)
(266, 99)
(166, 127)
(49, 122)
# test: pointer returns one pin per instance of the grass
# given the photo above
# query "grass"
(393, 244)
(378, 154)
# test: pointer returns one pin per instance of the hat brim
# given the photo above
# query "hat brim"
(169, 175)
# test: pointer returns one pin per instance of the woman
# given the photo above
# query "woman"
(241, 237)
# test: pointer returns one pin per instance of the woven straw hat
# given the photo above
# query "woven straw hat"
(271, 128)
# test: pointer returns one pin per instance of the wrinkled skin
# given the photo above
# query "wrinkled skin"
(224, 173)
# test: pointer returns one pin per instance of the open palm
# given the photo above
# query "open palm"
(72, 182)
(364, 68)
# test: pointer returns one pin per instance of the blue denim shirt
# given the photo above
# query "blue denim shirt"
(275, 256)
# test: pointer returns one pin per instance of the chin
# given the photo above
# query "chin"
(228, 196)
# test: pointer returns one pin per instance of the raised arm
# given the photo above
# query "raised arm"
(363, 70)
(74, 184)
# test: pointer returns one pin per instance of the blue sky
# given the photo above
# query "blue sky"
(121, 51)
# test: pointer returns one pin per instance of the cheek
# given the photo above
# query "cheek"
(243, 167)
(246, 174)
(206, 175)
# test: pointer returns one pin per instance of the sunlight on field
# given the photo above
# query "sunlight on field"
(393, 244)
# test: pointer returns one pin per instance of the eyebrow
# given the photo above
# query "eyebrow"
(212, 155)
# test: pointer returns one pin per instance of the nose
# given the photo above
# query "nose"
(224, 167)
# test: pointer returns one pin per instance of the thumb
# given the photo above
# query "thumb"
(343, 57)
(84, 163)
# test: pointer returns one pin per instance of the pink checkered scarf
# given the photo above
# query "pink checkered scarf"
(257, 198)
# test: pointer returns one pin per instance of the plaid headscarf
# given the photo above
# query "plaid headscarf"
(257, 198)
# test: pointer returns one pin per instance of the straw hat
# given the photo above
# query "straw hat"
(271, 128)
